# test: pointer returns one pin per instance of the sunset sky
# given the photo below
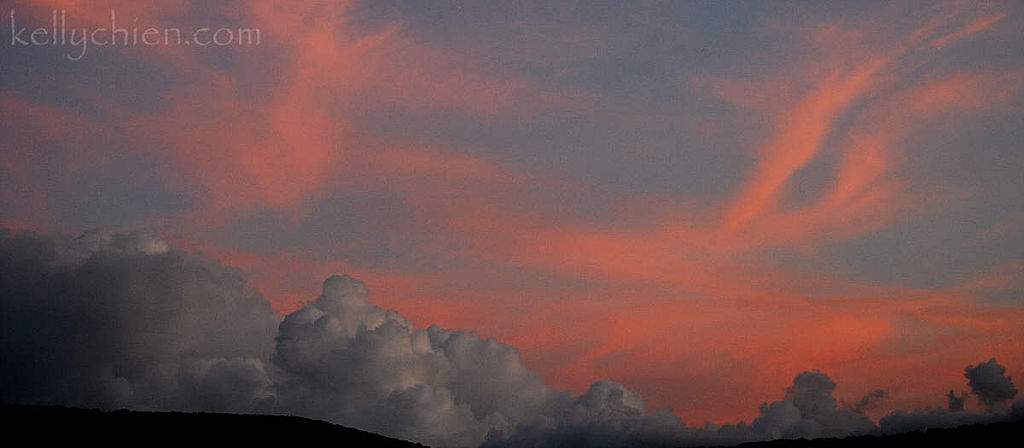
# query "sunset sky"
(698, 200)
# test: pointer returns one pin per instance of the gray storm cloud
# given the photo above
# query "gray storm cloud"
(956, 402)
(349, 361)
(115, 320)
(870, 401)
(808, 411)
(120, 320)
(989, 382)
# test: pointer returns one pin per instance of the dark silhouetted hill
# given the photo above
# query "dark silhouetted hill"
(55, 424)
(965, 436)
(46, 425)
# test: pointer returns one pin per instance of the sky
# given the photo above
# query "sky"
(697, 200)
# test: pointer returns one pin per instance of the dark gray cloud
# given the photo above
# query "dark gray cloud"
(870, 401)
(121, 320)
(989, 382)
(903, 421)
(809, 410)
(956, 402)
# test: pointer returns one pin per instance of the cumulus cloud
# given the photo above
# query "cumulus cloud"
(956, 402)
(349, 361)
(989, 382)
(113, 320)
(121, 320)
(870, 401)
(808, 411)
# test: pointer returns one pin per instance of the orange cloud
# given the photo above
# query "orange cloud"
(973, 27)
(801, 135)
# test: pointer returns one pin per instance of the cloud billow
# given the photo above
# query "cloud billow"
(349, 361)
(121, 320)
(989, 382)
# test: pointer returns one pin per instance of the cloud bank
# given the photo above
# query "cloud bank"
(111, 320)
(121, 320)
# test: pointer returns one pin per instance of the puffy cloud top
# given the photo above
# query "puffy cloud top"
(120, 320)
(350, 361)
(989, 382)
(809, 410)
